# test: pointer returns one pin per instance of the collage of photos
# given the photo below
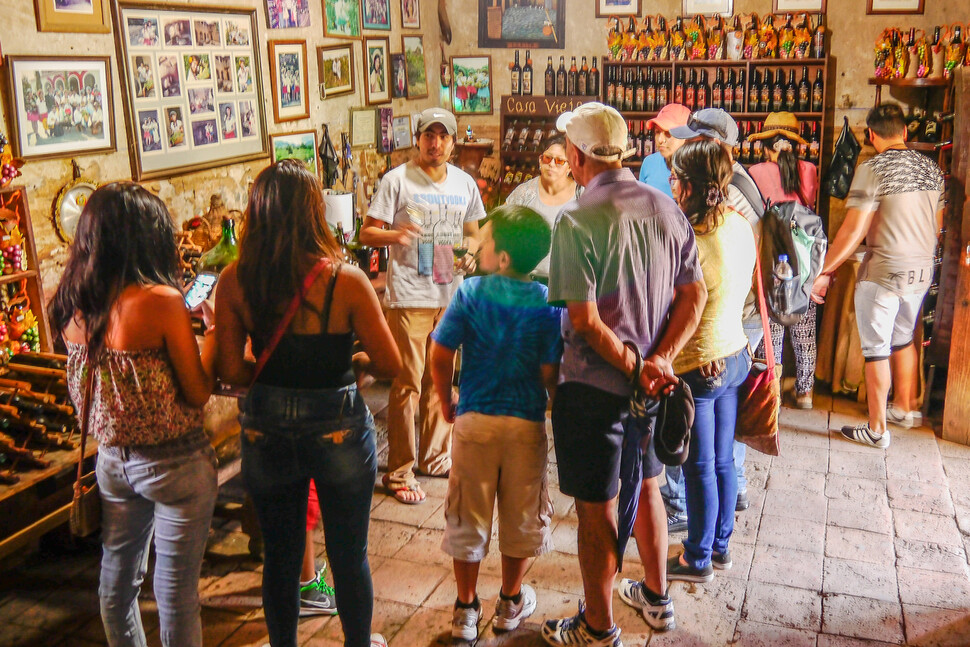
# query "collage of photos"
(191, 82)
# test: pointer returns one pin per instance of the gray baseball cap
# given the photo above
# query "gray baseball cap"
(709, 122)
(437, 116)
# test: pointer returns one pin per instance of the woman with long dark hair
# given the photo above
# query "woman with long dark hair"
(785, 178)
(303, 417)
(124, 320)
(716, 359)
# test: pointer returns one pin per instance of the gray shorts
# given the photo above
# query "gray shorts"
(886, 320)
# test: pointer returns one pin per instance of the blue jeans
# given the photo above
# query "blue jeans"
(171, 494)
(712, 485)
(290, 436)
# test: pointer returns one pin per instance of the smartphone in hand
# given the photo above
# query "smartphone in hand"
(200, 289)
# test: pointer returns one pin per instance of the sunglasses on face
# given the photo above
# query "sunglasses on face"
(549, 160)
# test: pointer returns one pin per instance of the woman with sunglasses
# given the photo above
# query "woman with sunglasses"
(549, 191)
(716, 360)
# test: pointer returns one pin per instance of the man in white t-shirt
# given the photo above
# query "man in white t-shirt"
(422, 212)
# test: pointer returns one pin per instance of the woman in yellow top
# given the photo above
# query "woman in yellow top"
(716, 359)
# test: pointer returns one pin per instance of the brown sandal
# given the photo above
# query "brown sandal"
(401, 493)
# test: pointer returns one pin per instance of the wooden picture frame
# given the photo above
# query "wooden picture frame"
(410, 14)
(399, 76)
(881, 7)
(375, 14)
(190, 109)
(288, 74)
(708, 7)
(363, 127)
(341, 18)
(335, 69)
(403, 136)
(417, 67)
(798, 6)
(33, 86)
(377, 80)
(86, 17)
(472, 91)
(606, 8)
(280, 17)
(299, 145)
(529, 27)
(385, 129)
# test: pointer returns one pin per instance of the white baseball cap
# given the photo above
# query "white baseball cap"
(598, 130)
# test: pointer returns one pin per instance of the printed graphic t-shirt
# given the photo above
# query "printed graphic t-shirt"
(421, 275)
(506, 331)
(905, 190)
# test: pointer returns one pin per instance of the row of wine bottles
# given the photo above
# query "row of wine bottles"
(576, 81)
(635, 91)
(528, 135)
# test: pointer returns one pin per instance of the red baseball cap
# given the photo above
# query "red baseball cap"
(670, 116)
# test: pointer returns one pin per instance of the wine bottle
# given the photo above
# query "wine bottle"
(524, 136)
(818, 38)
(746, 145)
(527, 74)
(639, 92)
(931, 128)
(561, 77)
(804, 92)
(644, 143)
(757, 146)
(818, 94)
(509, 135)
(583, 79)
(593, 82)
(550, 79)
(690, 94)
(517, 179)
(537, 136)
(631, 138)
(778, 92)
(610, 92)
(225, 251)
(764, 102)
(663, 89)
(791, 92)
(738, 101)
(629, 90)
(717, 90)
(651, 103)
(754, 92)
(516, 75)
(572, 78)
(703, 95)
(620, 96)
(814, 144)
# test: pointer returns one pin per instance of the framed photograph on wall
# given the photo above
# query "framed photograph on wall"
(335, 67)
(417, 68)
(522, 25)
(191, 88)
(399, 76)
(77, 16)
(385, 129)
(411, 14)
(376, 14)
(791, 6)
(403, 138)
(472, 91)
(300, 145)
(61, 105)
(894, 6)
(376, 78)
(341, 18)
(607, 8)
(708, 7)
(284, 14)
(363, 127)
(287, 64)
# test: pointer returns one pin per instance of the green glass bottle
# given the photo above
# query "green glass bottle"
(225, 251)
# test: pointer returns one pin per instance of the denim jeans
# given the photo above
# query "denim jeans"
(173, 495)
(710, 479)
(289, 437)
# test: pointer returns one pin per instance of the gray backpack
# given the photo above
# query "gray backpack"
(793, 229)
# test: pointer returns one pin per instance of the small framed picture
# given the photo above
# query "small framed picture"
(417, 69)
(402, 132)
(377, 14)
(399, 76)
(363, 127)
(143, 76)
(894, 6)
(79, 16)
(287, 60)
(606, 8)
(377, 82)
(708, 7)
(168, 75)
(411, 14)
(284, 14)
(791, 6)
(335, 66)
(385, 125)
(472, 91)
(341, 18)
(142, 31)
(300, 145)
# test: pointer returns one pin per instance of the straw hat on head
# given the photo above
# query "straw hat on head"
(780, 123)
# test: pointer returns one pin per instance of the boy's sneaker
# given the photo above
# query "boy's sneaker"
(864, 435)
(574, 631)
(318, 598)
(742, 503)
(676, 570)
(658, 611)
(676, 522)
(377, 640)
(464, 622)
(722, 561)
(900, 418)
(508, 613)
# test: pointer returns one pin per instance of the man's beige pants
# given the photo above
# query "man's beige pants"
(413, 392)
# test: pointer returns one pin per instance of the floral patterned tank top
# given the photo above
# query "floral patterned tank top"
(136, 399)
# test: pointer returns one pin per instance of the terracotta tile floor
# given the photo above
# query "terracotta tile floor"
(843, 546)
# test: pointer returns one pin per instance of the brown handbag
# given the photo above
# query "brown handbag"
(760, 394)
(86, 506)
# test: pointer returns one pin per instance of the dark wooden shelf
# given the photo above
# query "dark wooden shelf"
(914, 83)
(719, 63)
(737, 115)
(924, 146)
(10, 278)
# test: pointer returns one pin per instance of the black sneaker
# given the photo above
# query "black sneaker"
(678, 571)
(742, 503)
(866, 436)
(722, 561)
(676, 522)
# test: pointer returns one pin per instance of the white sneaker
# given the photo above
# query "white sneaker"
(900, 418)
(377, 640)
(464, 623)
(864, 435)
(574, 632)
(659, 615)
(508, 614)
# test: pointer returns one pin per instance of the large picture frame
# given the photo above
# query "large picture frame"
(82, 16)
(878, 7)
(792, 6)
(708, 7)
(341, 18)
(472, 78)
(299, 145)
(607, 8)
(288, 73)
(376, 14)
(287, 14)
(520, 26)
(61, 105)
(377, 81)
(335, 68)
(208, 109)
(417, 68)
(410, 14)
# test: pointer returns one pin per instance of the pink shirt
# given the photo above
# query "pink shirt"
(767, 176)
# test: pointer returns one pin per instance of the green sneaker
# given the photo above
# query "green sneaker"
(317, 598)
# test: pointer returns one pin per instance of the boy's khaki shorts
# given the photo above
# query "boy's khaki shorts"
(499, 457)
